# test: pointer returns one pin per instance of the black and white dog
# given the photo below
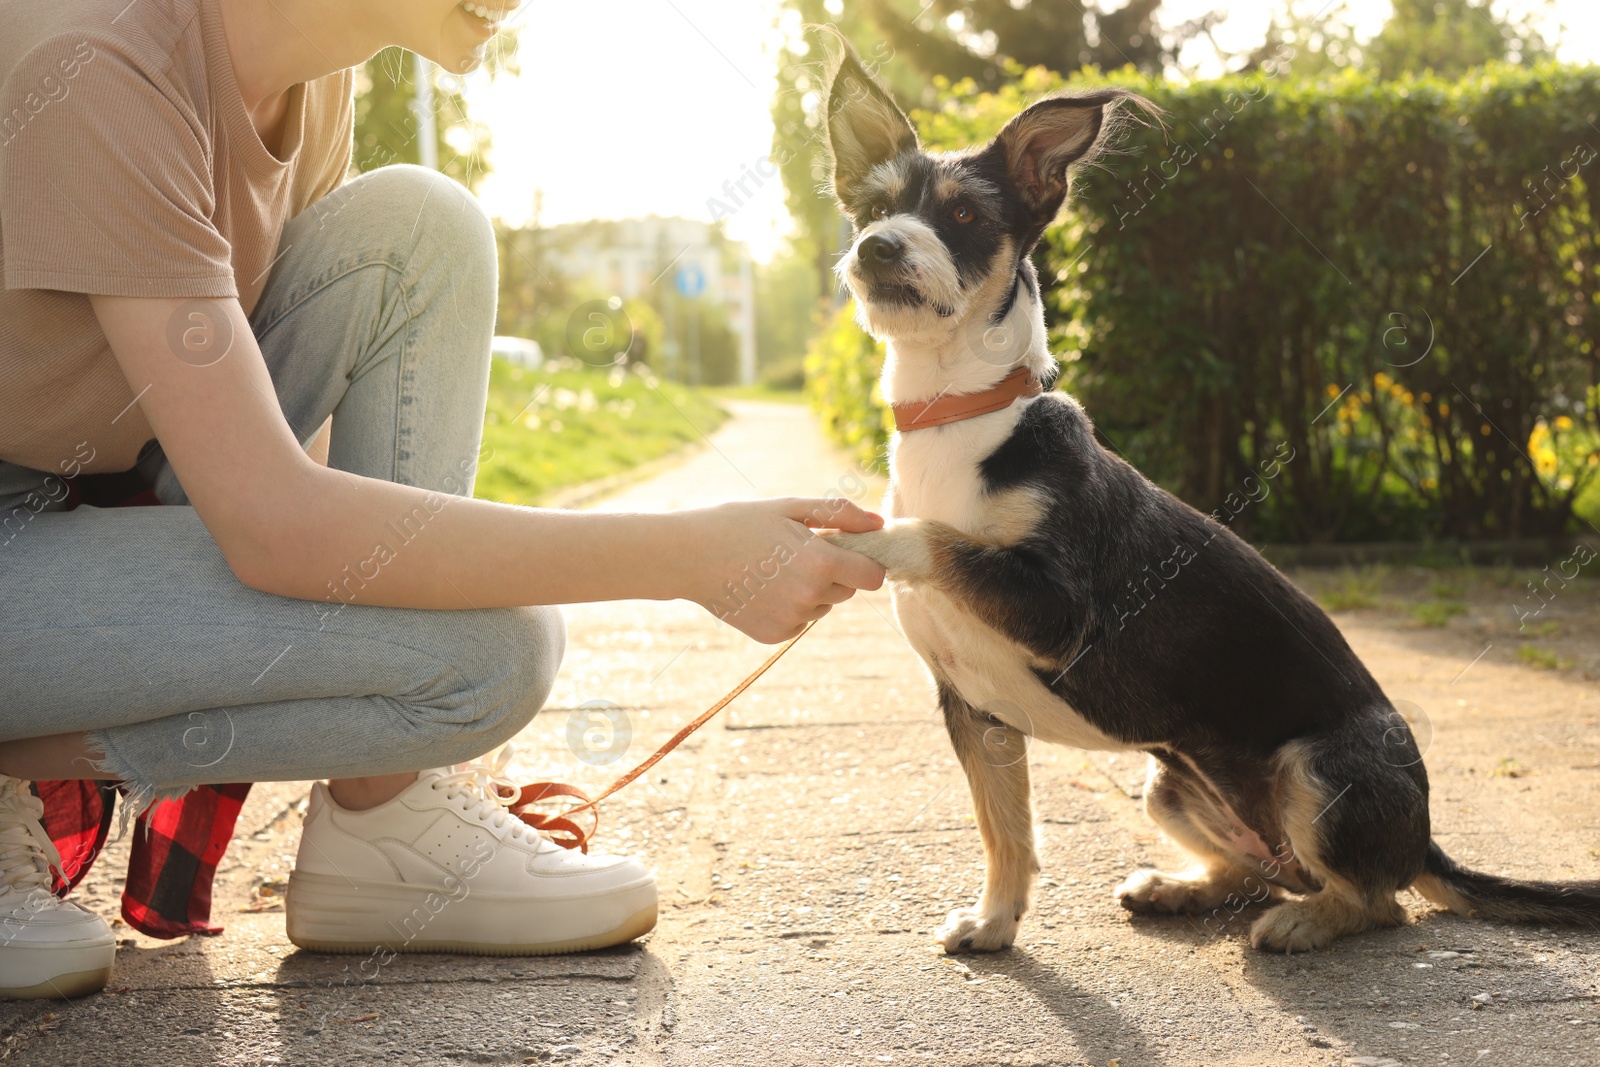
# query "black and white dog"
(1016, 541)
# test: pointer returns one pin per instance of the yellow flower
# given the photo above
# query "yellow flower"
(1563, 423)
(1427, 398)
(1334, 390)
(1382, 380)
(1485, 430)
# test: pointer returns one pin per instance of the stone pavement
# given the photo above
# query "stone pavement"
(809, 841)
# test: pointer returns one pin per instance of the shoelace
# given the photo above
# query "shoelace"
(27, 855)
(491, 797)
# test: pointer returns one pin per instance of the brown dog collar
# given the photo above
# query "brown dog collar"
(919, 415)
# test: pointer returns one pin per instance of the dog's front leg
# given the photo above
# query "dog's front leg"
(1009, 588)
(995, 757)
(904, 547)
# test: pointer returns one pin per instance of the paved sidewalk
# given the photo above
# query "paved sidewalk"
(809, 841)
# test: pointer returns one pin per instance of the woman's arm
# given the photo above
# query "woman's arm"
(289, 526)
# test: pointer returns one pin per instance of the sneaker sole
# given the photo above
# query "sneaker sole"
(328, 915)
(62, 986)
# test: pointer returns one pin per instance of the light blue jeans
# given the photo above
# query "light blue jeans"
(127, 623)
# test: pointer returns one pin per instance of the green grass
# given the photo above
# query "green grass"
(565, 424)
(1448, 590)
(1542, 629)
(1542, 658)
(1354, 590)
(1437, 612)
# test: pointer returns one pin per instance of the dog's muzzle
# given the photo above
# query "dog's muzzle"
(885, 276)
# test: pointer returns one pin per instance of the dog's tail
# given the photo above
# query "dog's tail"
(1488, 896)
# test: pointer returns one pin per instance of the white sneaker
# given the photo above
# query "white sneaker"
(444, 867)
(48, 946)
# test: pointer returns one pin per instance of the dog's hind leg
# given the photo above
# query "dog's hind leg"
(995, 758)
(1357, 820)
(1181, 804)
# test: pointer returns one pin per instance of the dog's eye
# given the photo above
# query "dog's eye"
(880, 211)
(961, 213)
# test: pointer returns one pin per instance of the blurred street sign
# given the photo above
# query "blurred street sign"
(690, 280)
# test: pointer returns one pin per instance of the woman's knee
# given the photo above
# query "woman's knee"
(433, 220)
(535, 640)
(505, 662)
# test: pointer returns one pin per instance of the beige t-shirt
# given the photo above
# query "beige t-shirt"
(129, 167)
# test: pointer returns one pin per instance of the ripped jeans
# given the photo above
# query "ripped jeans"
(127, 623)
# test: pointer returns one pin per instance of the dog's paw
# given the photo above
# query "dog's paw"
(972, 930)
(1295, 926)
(901, 548)
(1153, 892)
(1156, 892)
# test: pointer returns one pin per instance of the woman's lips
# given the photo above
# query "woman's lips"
(490, 17)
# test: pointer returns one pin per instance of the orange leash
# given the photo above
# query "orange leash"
(563, 829)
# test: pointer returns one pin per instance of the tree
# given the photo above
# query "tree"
(1450, 37)
(1321, 35)
(387, 126)
(786, 316)
(531, 285)
(974, 38)
(797, 128)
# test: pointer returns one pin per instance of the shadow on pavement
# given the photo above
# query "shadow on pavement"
(1100, 1031)
(425, 1007)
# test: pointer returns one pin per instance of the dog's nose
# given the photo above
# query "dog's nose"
(879, 250)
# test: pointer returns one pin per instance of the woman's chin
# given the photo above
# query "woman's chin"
(467, 63)
(459, 49)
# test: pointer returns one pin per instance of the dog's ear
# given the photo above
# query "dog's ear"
(1041, 143)
(864, 125)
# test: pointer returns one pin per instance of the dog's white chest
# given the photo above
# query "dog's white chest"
(935, 472)
(935, 476)
(989, 670)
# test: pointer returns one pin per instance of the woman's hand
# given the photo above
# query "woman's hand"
(757, 565)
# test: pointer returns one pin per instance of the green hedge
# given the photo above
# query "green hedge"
(842, 365)
(1393, 282)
